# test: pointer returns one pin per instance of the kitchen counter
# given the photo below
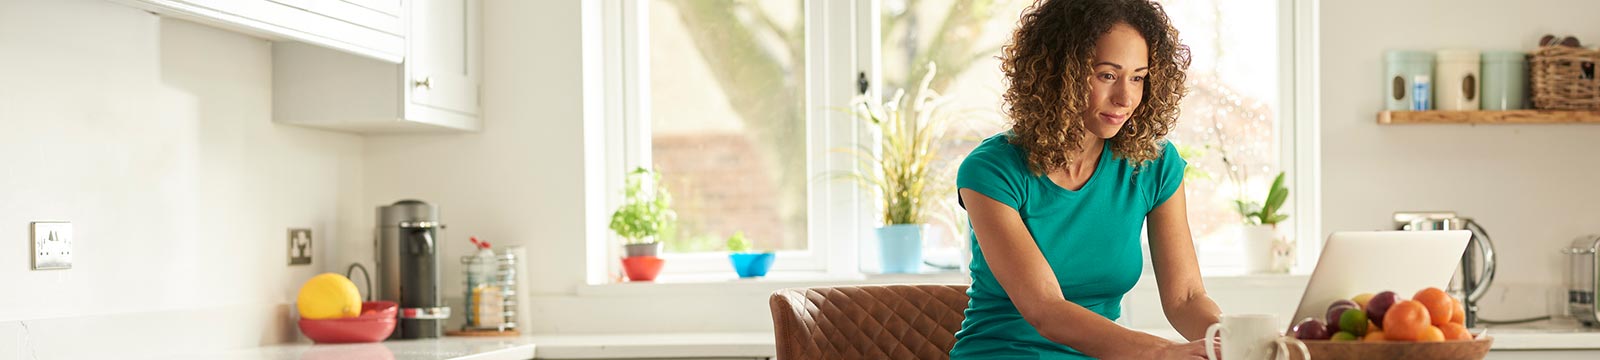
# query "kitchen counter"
(1540, 336)
(1544, 335)
(449, 348)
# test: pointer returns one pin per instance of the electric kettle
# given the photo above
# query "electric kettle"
(1477, 269)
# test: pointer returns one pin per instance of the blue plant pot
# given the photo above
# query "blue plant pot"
(900, 248)
(752, 264)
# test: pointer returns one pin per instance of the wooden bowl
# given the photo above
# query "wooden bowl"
(1441, 350)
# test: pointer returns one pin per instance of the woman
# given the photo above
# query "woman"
(1057, 202)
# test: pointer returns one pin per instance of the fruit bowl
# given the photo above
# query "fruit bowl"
(374, 324)
(1436, 350)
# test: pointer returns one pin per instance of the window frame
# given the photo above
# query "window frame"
(834, 209)
(840, 43)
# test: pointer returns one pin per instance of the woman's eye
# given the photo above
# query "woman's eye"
(1138, 79)
(1108, 76)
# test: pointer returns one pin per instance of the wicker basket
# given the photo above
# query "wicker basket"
(1563, 78)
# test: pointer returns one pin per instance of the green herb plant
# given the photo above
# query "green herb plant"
(1268, 213)
(646, 209)
(737, 243)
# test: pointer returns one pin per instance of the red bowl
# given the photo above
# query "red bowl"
(375, 324)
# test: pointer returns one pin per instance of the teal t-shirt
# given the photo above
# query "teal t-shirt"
(1090, 237)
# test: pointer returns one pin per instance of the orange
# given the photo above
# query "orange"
(1439, 304)
(1405, 321)
(1432, 333)
(1460, 315)
(1454, 331)
(1373, 335)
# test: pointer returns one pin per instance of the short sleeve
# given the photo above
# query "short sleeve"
(1168, 174)
(993, 171)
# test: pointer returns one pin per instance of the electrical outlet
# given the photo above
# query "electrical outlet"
(52, 245)
(300, 246)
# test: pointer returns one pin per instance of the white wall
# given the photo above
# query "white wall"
(154, 138)
(1533, 187)
(520, 181)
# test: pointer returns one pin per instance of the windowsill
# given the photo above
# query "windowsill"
(726, 283)
(1235, 280)
(699, 284)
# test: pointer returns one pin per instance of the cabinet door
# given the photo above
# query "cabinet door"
(443, 55)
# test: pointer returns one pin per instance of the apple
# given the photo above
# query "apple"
(1311, 329)
(1379, 305)
(1336, 311)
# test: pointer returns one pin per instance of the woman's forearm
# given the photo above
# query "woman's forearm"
(1072, 325)
(1193, 316)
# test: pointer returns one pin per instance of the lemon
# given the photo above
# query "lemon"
(328, 296)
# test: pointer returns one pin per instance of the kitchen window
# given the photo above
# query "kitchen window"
(737, 103)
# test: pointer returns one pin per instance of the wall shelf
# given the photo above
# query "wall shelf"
(1490, 117)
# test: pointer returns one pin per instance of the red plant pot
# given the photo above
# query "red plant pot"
(375, 323)
(642, 268)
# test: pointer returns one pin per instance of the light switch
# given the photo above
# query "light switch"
(52, 245)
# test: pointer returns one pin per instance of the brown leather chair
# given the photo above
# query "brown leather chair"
(868, 322)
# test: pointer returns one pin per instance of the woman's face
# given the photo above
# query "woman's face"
(1116, 81)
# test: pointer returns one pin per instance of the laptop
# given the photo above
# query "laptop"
(1357, 262)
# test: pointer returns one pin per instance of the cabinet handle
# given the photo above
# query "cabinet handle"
(426, 83)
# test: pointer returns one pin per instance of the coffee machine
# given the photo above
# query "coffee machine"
(1477, 269)
(408, 267)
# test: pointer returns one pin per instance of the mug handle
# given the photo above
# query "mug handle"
(1211, 336)
(1283, 347)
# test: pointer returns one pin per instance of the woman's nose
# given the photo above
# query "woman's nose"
(1123, 94)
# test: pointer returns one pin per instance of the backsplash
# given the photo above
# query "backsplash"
(154, 138)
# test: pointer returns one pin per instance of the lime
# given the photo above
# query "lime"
(1353, 322)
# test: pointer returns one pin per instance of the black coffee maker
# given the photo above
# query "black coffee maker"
(1476, 273)
(408, 267)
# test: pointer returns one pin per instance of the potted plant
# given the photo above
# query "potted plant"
(748, 263)
(900, 170)
(646, 211)
(1265, 249)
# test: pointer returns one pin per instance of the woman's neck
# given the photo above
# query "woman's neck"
(1085, 160)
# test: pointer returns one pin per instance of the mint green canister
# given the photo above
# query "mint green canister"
(1505, 80)
(1406, 83)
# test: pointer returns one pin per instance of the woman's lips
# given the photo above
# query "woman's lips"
(1113, 119)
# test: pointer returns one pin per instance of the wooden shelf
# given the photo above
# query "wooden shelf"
(1490, 117)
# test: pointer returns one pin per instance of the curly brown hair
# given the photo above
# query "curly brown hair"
(1048, 65)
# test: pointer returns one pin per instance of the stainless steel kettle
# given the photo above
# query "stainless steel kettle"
(1477, 269)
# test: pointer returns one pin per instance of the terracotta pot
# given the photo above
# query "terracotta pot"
(642, 268)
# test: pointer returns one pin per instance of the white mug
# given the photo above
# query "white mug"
(1251, 337)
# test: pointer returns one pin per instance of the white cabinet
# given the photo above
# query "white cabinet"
(435, 89)
(371, 28)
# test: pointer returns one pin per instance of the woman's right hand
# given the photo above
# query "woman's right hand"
(1193, 350)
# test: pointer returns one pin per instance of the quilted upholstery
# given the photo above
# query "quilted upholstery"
(868, 322)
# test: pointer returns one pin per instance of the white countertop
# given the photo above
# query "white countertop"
(1535, 336)
(680, 345)
(1542, 335)
(448, 348)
